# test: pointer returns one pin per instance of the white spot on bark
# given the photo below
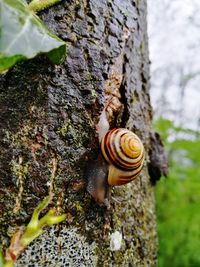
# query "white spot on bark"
(115, 241)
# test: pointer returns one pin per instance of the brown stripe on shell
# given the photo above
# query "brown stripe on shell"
(106, 147)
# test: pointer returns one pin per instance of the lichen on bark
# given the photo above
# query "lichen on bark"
(49, 114)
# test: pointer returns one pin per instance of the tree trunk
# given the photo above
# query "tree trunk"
(48, 134)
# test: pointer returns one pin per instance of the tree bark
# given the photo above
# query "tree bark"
(48, 120)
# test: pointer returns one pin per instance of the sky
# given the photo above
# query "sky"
(174, 45)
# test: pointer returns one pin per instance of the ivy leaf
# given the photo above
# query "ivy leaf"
(23, 36)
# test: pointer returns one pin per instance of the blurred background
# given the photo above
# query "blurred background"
(174, 43)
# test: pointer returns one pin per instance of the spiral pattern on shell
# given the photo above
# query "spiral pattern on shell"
(124, 152)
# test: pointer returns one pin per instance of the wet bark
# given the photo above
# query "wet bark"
(48, 119)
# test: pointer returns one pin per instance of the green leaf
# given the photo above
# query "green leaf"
(23, 36)
(37, 5)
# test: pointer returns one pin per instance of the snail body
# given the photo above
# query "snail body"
(124, 153)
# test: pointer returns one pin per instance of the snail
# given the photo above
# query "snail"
(120, 161)
(124, 152)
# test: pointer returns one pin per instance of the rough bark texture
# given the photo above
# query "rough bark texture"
(48, 118)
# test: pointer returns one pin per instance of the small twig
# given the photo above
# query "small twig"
(23, 237)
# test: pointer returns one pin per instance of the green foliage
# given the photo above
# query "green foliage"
(178, 198)
(23, 35)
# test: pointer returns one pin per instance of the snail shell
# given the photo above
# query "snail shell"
(124, 152)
